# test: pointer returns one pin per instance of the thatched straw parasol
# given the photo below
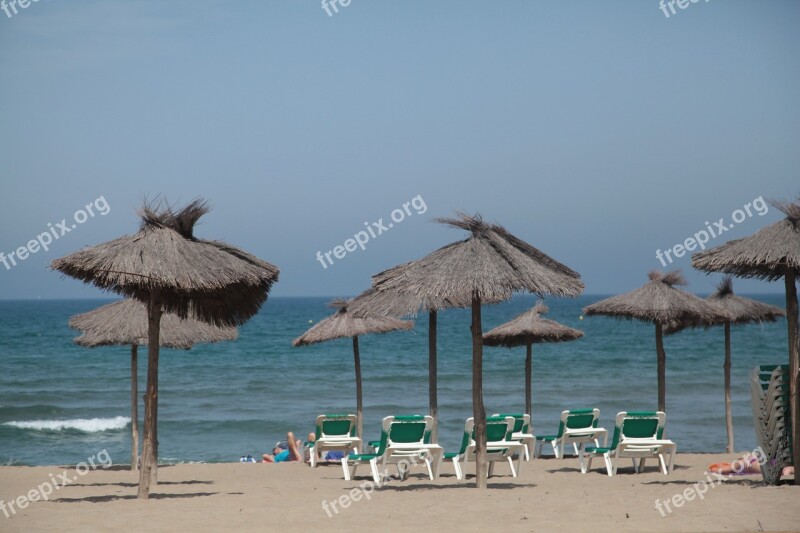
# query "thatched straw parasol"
(741, 311)
(487, 267)
(343, 324)
(125, 323)
(660, 302)
(165, 266)
(771, 253)
(526, 329)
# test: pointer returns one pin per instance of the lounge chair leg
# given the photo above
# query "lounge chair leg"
(430, 469)
(588, 464)
(346, 469)
(575, 447)
(374, 466)
(491, 468)
(511, 464)
(611, 466)
(457, 468)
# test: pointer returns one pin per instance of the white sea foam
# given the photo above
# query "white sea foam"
(88, 425)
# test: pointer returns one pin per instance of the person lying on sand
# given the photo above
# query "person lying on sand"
(292, 452)
(748, 463)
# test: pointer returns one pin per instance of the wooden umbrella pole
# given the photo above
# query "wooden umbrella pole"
(528, 381)
(147, 474)
(134, 408)
(794, 366)
(359, 406)
(432, 379)
(727, 367)
(478, 409)
(662, 368)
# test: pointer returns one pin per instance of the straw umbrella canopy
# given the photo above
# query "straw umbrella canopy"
(373, 302)
(526, 329)
(343, 324)
(772, 253)
(487, 267)
(165, 266)
(125, 323)
(660, 302)
(741, 311)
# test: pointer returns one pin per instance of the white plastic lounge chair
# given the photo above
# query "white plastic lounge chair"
(402, 443)
(333, 433)
(522, 431)
(577, 427)
(637, 435)
(499, 446)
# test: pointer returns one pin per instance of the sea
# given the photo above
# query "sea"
(62, 404)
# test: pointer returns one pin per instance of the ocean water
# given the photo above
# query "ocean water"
(61, 403)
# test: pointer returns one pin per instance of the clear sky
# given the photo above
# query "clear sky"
(599, 132)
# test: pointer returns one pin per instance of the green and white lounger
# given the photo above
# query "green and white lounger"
(334, 433)
(402, 443)
(637, 435)
(577, 427)
(522, 431)
(499, 445)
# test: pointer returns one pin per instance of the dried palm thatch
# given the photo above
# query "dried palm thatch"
(165, 266)
(764, 255)
(487, 267)
(209, 280)
(491, 264)
(741, 311)
(343, 324)
(125, 323)
(660, 302)
(530, 327)
(771, 253)
(526, 329)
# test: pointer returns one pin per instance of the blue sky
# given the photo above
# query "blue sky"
(597, 131)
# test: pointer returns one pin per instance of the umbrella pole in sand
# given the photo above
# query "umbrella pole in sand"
(134, 409)
(727, 367)
(432, 398)
(359, 406)
(478, 409)
(794, 358)
(148, 473)
(528, 385)
(662, 368)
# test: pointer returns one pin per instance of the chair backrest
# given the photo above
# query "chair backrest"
(638, 425)
(578, 419)
(335, 425)
(410, 429)
(522, 422)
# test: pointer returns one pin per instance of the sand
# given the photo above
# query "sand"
(549, 495)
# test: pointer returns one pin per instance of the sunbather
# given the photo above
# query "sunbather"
(292, 452)
(749, 463)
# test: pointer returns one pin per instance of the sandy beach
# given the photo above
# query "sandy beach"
(549, 495)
